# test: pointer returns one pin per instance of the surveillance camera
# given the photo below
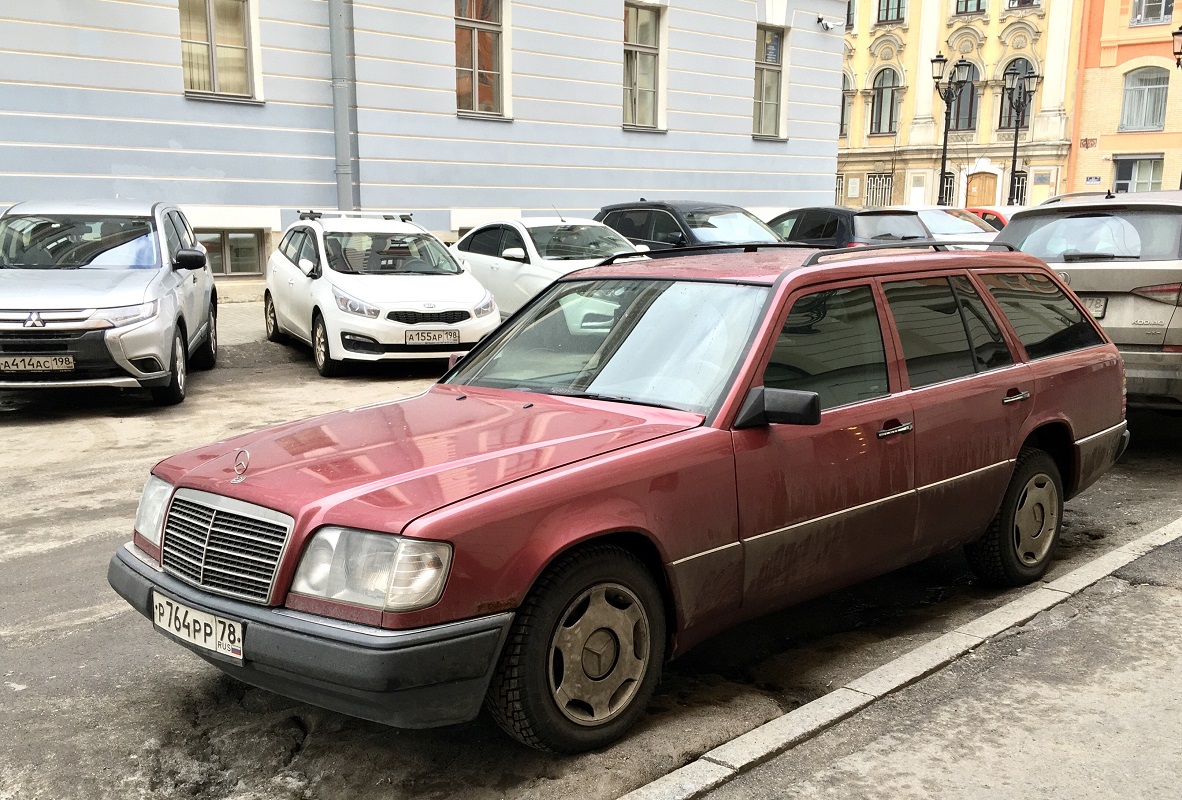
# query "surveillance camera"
(825, 24)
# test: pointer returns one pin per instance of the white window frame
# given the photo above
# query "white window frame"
(763, 69)
(1143, 107)
(1151, 12)
(1139, 182)
(632, 50)
(880, 186)
(254, 76)
(498, 29)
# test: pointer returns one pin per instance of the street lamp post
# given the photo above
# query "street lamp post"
(949, 91)
(1021, 91)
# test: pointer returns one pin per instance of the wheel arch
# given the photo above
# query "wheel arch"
(1055, 439)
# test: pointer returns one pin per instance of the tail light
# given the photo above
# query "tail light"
(855, 244)
(1163, 293)
(1171, 348)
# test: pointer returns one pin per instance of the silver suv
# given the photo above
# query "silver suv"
(103, 294)
(1123, 257)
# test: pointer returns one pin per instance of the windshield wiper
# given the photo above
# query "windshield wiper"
(1093, 256)
(608, 398)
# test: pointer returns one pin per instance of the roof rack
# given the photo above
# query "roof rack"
(674, 252)
(935, 246)
(402, 216)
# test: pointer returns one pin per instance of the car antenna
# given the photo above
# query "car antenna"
(559, 213)
(1109, 195)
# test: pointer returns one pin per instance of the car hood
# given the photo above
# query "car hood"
(381, 466)
(72, 289)
(403, 291)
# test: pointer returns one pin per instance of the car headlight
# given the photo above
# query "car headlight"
(486, 307)
(374, 570)
(124, 315)
(352, 305)
(149, 519)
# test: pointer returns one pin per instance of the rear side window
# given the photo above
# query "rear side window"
(486, 242)
(930, 327)
(888, 226)
(1065, 236)
(633, 224)
(831, 344)
(1046, 321)
(990, 350)
(817, 225)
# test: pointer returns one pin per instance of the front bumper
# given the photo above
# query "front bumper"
(1153, 379)
(419, 678)
(387, 338)
(132, 357)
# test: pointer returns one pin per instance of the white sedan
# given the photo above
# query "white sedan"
(517, 258)
(952, 224)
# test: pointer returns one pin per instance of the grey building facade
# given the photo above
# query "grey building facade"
(456, 110)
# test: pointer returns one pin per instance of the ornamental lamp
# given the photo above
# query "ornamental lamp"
(1178, 47)
(939, 63)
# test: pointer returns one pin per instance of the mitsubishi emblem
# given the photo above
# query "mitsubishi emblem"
(241, 464)
(34, 320)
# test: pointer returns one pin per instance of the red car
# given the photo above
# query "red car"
(641, 457)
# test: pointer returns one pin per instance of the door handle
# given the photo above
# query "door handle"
(904, 428)
(1017, 397)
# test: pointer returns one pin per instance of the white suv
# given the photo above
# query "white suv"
(371, 287)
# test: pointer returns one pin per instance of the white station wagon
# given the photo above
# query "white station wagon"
(371, 287)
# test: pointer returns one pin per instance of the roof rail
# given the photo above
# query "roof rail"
(935, 246)
(674, 252)
(403, 216)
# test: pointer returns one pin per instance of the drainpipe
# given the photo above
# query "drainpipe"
(340, 20)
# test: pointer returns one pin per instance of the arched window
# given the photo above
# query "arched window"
(845, 106)
(1145, 100)
(1012, 117)
(964, 110)
(883, 107)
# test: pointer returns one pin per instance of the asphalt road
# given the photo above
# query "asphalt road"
(94, 704)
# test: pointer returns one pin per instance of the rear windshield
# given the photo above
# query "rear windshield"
(1097, 234)
(729, 226)
(950, 221)
(888, 226)
(388, 254)
(78, 242)
(569, 242)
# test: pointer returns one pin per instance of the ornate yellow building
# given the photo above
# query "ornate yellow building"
(893, 119)
(1128, 135)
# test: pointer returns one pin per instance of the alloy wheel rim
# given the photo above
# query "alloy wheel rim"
(599, 654)
(1036, 518)
(270, 317)
(178, 354)
(213, 333)
(320, 345)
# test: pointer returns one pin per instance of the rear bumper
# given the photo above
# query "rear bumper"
(418, 678)
(1153, 380)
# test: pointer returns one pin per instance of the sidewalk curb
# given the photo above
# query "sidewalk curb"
(731, 759)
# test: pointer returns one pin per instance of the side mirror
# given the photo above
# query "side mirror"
(308, 268)
(765, 406)
(189, 258)
(513, 254)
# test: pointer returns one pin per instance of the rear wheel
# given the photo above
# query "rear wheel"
(273, 332)
(584, 654)
(326, 365)
(207, 353)
(174, 392)
(1020, 543)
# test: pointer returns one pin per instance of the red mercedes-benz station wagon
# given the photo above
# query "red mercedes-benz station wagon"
(645, 454)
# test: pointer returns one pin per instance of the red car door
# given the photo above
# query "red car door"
(824, 506)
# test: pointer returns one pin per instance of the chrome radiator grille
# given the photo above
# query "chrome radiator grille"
(224, 545)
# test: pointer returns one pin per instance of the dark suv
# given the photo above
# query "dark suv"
(835, 226)
(662, 225)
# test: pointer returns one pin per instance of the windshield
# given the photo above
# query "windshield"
(888, 226)
(388, 254)
(730, 225)
(567, 242)
(1066, 235)
(652, 342)
(947, 221)
(78, 242)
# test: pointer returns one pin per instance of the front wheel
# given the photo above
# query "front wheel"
(584, 654)
(174, 392)
(326, 365)
(206, 356)
(1020, 542)
(269, 319)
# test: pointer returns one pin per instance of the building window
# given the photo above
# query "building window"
(215, 47)
(884, 102)
(849, 13)
(970, 6)
(478, 56)
(891, 10)
(768, 67)
(1020, 188)
(949, 189)
(641, 62)
(1023, 3)
(964, 109)
(880, 187)
(1011, 117)
(846, 101)
(233, 252)
(1151, 12)
(839, 190)
(1145, 100)
(1138, 174)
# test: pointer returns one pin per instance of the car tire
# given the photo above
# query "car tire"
(271, 321)
(206, 356)
(326, 365)
(1021, 540)
(601, 608)
(174, 392)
